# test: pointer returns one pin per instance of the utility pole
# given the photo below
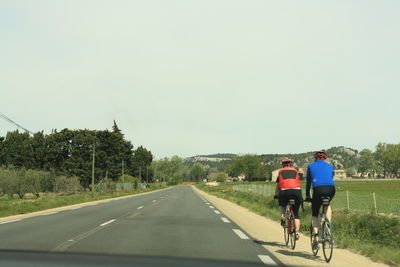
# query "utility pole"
(140, 173)
(123, 178)
(94, 149)
(147, 174)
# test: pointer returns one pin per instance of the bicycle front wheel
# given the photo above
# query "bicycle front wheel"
(286, 232)
(327, 243)
(292, 231)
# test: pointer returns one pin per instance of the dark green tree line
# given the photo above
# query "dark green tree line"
(70, 152)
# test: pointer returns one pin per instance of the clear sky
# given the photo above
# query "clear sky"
(200, 77)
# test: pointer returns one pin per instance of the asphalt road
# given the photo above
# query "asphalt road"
(175, 223)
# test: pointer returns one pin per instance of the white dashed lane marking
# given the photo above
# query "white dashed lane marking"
(211, 207)
(141, 207)
(267, 260)
(225, 220)
(110, 221)
(217, 212)
(240, 234)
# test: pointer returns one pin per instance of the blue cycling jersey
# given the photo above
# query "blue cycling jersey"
(319, 173)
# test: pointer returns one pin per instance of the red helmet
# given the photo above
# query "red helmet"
(286, 161)
(320, 154)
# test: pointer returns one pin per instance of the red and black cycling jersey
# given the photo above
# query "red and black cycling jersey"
(288, 178)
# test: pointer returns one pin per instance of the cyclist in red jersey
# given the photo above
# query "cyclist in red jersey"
(287, 187)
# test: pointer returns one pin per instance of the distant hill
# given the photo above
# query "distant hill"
(340, 157)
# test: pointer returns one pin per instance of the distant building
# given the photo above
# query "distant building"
(340, 174)
(302, 173)
(241, 177)
(210, 159)
(274, 175)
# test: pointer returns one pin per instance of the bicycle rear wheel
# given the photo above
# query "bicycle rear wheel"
(327, 244)
(292, 231)
(314, 241)
(286, 231)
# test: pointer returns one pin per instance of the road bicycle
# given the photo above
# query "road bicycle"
(289, 231)
(325, 233)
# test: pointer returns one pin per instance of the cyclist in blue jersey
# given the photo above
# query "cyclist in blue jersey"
(320, 176)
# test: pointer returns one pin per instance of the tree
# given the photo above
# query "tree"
(38, 181)
(170, 170)
(197, 172)
(22, 185)
(367, 163)
(17, 150)
(141, 162)
(388, 159)
(38, 151)
(249, 165)
(2, 159)
(219, 177)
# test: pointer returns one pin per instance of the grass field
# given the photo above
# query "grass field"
(378, 196)
(384, 188)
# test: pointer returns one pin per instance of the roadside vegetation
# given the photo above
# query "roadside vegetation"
(373, 235)
(30, 203)
(23, 191)
(72, 153)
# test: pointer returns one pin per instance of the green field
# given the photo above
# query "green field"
(378, 196)
(384, 188)
(368, 196)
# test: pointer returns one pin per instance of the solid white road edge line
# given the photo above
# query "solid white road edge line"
(110, 221)
(140, 207)
(11, 221)
(225, 220)
(50, 213)
(240, 234)
(267, 260)
(217, 212)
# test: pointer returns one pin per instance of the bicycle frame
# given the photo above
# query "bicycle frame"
(289, 228)
(324, 233)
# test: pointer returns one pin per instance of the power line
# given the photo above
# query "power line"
(13, 122)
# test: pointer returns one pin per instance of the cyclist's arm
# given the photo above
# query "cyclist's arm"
(277, 185)
(308, 184)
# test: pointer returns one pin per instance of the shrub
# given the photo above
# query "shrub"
(67, 184)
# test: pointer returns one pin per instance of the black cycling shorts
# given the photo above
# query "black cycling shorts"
(285, 195)
(318, 192)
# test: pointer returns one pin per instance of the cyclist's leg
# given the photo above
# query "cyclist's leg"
(296, 207)
(315, 206)
(282, 209)
(328, 212)
(282, 199)
(328, 191)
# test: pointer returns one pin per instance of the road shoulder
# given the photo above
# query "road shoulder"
(269, 234)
